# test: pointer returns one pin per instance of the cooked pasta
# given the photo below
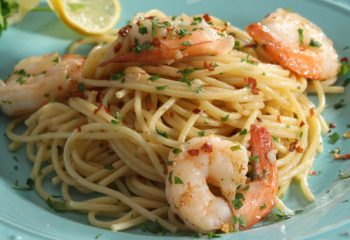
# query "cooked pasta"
(110, 141)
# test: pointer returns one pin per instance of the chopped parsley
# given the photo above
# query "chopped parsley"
(314, 43)
(224, 119)
(254, 158)
(275, 139)
(109, 167)
(201, 133)
(58, 206)
(56, 59)
(162, 133)
(98, 236)
(161, 87)
(21, 76)
(7, 8)
(213, 235)
(199, 89)
(182, 32)
(301, 35)
(177, 151)
(196, 20)
(117, 119)
(143, 30)
(247, 60)
(237, 202)
(178, 180)
(169, 162)
(243, 132)
(141, 47)
(339, 104)
(153, 227)
(186, 43)
(344, 68)
(185, 75)
(333, 138)
(119, 76)
(154, 78)
(237, 45)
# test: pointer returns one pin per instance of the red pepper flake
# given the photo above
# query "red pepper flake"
(117, 47)
(196, 110)
(123, 32)
(193, 152)
(302, 123)
(149, 17)
(138, 23)
(259, 119)
(156, 42)
(210, 67)
(278, 119)
(207, 147)
(332, 125)
(299, 149)
(252, 84)
(312, 112)
(97, 109)
(206, 17)
(106, 109)
(292, 146)
(344, 59)
(79, 129)
(337, 156)
(313, 173)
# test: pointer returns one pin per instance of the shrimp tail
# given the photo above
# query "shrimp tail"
(260, 197)
(299, 62)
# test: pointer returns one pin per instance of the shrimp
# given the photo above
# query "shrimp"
(161, 39)
(37, 80)
(219, 162)
(296, 44)
(259, 195)
(223, 164)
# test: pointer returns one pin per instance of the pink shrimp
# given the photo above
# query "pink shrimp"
(37, 80)
(259, 196)
(166, 39)
(224, 164)
(296, 44)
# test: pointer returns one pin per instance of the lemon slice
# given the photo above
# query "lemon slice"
(90, 17)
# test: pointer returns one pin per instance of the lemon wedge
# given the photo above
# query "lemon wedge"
(89, 17)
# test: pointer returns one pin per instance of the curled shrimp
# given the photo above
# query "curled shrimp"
(223, 164)
(161, 39)
(212, 160)
(297, 44)
(37, 80)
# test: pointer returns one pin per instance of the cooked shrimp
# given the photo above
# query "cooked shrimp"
(161, 39)
(223, 164)
(212, 160)
(37, 80)
(297, 44)
(259, 196)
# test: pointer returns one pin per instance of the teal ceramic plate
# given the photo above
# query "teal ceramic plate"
(24, 216)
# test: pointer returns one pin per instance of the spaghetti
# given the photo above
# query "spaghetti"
(111, 144)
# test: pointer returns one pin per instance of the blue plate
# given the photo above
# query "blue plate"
(24, 216)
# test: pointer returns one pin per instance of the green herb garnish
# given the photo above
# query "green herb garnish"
(333, 138)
